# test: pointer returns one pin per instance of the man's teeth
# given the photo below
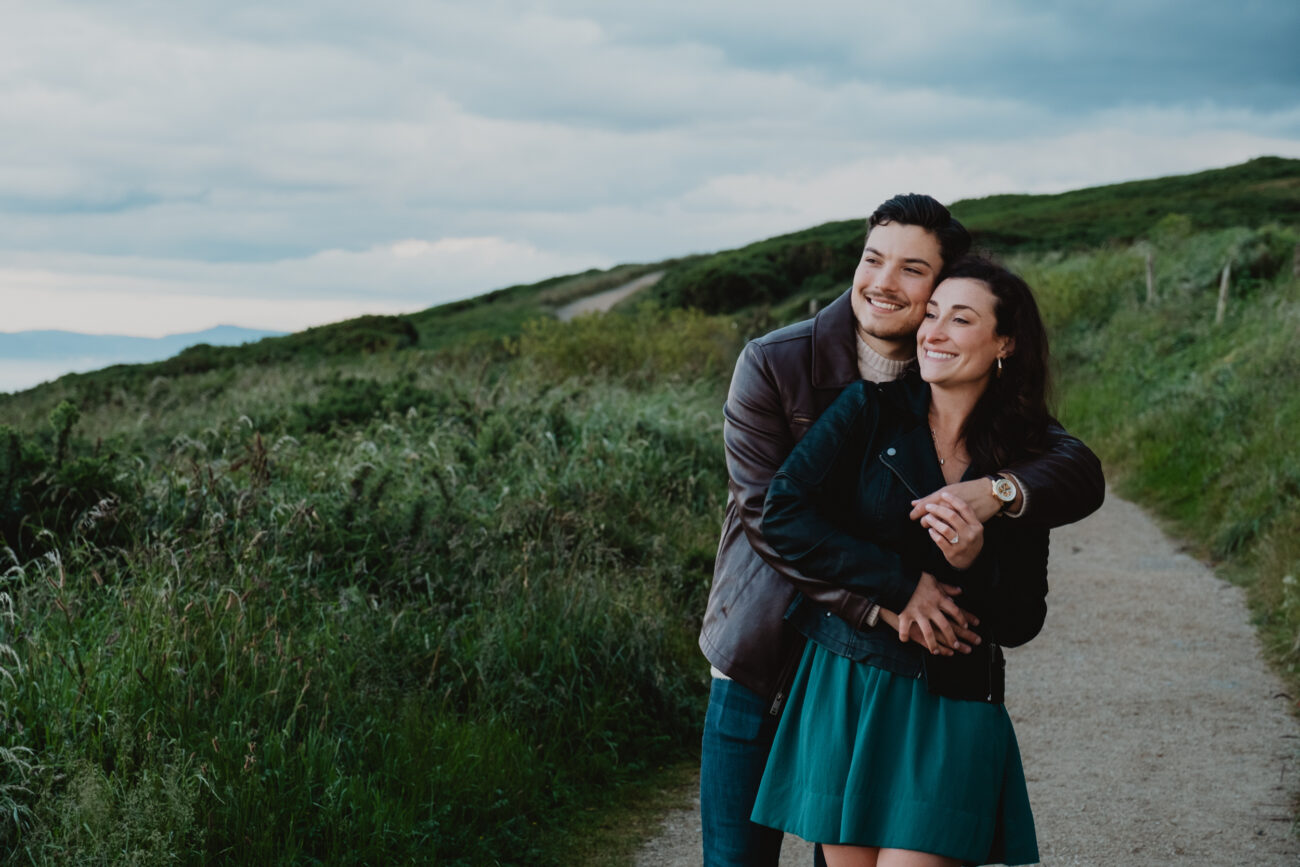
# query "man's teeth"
(885, 305)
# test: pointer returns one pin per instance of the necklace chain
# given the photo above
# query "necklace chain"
(956, 454)
(935, 437)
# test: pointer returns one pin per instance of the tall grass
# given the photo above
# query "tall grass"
(16, 761)
(1194, 420)
(432, 625)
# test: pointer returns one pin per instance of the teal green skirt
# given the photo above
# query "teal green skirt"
(866, 757)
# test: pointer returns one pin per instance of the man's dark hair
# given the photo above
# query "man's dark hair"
(1009, 421)
(918, 209)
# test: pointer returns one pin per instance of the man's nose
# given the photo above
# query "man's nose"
(886, 277)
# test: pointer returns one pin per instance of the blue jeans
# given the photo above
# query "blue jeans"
(738, 734)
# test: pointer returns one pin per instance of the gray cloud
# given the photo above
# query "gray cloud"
(1073, 56)
(245, 144)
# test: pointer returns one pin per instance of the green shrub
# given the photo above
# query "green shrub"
(55, 494)
(651, 346)
(766, 272)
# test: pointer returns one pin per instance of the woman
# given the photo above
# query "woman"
(885, 754)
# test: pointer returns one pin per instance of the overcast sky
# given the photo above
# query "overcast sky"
(167, 166)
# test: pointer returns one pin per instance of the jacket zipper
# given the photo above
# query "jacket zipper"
(911, 490)
(992, 663)
(783, 683)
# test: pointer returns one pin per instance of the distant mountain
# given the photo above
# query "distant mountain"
(31, 357)
(53, 345)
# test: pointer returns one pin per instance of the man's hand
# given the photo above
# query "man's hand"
(934, 620)
(977, 493)
(965, 637)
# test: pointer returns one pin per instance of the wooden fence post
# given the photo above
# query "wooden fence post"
(1151, 277)
(812, 306)
(1223, 293)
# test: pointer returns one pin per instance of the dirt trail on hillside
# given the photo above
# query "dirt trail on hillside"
(1151, 730)
(602, 301)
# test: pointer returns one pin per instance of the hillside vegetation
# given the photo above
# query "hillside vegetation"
(425, 589)
(818, 263)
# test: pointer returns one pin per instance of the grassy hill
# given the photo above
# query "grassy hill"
(425, 588)
(1264, 190)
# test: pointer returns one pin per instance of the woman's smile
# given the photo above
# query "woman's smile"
(958, 342)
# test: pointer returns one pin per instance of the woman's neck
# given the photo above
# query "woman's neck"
(949, 410)
(950, 407)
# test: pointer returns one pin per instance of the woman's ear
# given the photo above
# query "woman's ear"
(1008, 347)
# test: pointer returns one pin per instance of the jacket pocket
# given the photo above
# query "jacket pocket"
(799, 425)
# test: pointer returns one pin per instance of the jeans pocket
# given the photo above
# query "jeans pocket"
(735, 713)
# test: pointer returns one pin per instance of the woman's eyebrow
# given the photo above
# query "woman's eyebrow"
(933, 303)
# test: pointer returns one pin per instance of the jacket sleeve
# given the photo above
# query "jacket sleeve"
(812, 486)
(757, 438)
(1062, 485)
(1019, 586)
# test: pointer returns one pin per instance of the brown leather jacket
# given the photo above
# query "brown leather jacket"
(782, 383)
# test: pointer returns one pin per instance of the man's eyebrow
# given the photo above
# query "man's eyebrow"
(925, 262)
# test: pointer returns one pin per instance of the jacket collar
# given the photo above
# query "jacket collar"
(914, 458)
(909, 393)
(834, 345)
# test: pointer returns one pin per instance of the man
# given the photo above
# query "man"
(782, 383)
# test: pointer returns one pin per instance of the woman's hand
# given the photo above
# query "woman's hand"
(931, 608)
(955, 528)
(976, 493)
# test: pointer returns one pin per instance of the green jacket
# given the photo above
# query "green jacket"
(838, 509)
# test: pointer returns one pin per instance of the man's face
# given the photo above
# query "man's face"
(891, 285)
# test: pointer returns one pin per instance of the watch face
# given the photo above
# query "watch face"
(1004, 490)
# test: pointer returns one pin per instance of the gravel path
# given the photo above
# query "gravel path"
(1151, 730)
(602, 301)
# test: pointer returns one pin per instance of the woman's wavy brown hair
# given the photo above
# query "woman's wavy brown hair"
(1009, 421)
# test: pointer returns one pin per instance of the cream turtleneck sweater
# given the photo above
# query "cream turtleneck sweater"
(874, 367)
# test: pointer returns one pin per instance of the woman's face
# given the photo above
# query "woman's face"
(957, 343)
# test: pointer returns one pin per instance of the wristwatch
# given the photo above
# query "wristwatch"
(1004, 490)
